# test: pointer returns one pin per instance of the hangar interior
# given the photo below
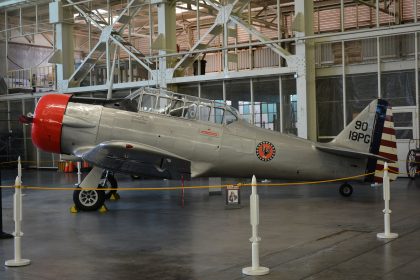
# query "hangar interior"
(305, 68)
(360, 50)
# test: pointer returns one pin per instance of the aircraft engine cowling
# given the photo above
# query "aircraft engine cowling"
(48, 121)
(80, 127)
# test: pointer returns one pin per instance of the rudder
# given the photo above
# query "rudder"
(372, 131)
(385, 146)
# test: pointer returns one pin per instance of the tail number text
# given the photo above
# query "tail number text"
(359, 133)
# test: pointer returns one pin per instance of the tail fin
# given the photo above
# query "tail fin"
(372, 131)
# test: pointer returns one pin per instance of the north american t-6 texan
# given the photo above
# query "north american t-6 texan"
(158, 133)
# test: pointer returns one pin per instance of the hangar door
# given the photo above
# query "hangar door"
(405, 123)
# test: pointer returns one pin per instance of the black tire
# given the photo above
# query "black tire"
(411, 164)
(346, 190)
(110, 182)
(88, 200)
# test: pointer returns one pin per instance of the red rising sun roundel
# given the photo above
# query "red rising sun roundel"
(265, 151)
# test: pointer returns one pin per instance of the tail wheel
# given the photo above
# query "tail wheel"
(411, 164)
(346, 190)
(88, 200)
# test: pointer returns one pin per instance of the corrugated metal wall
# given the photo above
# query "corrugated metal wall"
(365, 51)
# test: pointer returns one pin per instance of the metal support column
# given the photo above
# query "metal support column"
(6, 47)
(36, 21)
(224, 90)
(60, 17)
(416, 71)
(416, 78)
(378, 63)
(279, 27)
(130, 71)
(250, 55)
(90, 42)
(151, 33)
(225, 51)
(305, 80)
(251, 84)
(343, 60)
(343, 76)
(166, 29)
(197, 3)
(281, 104)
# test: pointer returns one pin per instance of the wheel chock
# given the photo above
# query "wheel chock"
(74, 209)
(115, 196)
(103, 209)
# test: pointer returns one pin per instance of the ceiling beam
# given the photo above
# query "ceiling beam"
(7, 3)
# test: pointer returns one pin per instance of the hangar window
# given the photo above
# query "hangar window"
(190, 111)
(163, 105)
(216, 115)
(148, 103)
(204, 112)
(229, 117)
(177, 107)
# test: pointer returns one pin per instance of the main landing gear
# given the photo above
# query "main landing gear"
(346, 190)
(93, 199)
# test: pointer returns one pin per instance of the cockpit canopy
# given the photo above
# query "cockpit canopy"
(169, 103)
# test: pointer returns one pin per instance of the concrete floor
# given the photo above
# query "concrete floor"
(308, 232)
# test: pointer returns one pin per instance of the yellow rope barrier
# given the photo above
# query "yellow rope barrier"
(314, 182)
(199, 187)
(194, 187)
(49, 161)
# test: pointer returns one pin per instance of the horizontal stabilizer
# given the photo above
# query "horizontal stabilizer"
(347, 152)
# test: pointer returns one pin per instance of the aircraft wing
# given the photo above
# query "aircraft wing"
(137, 159)
(347, 152)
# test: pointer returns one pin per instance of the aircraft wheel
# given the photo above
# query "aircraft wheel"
(88, 200)
(411, 164)
(346, 190)
(110, 182)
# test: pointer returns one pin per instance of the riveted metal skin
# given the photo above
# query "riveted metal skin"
(154, 134)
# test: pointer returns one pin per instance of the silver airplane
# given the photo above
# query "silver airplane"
(158, 133)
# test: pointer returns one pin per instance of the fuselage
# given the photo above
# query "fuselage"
(237, 149)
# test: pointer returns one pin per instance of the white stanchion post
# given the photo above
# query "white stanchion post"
(387, 212)
(79, 173)
(255, 269)
(17, 216)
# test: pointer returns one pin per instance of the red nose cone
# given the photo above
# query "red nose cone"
(48, 119)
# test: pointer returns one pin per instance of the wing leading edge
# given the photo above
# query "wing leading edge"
(138, 159)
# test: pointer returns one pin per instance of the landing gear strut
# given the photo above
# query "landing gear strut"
(346, 190)
(108, 182)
